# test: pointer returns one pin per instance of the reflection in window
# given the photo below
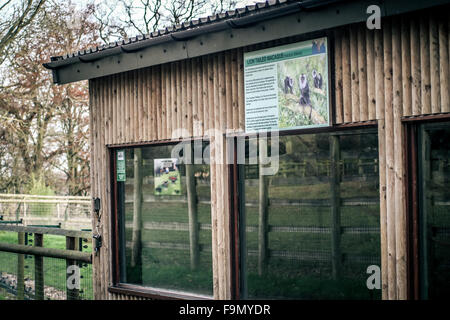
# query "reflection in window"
(434, 155)
(312, 230)
(165, 222)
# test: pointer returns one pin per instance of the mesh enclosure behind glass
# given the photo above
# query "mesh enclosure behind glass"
(165, 221)
(312, 229)
(434, 155)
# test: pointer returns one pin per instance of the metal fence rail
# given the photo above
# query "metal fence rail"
(45, 263)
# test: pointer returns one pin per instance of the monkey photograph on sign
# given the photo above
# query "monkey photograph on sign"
(304, 102)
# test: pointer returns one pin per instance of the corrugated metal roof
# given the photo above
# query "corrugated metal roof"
(197, 23)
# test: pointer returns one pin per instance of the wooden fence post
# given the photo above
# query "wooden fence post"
(193, 219)
(335, 156)
(72, 243)
(20, 268)
(38, 269)
(263, 214)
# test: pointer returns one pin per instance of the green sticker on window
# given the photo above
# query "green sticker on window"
(121, 173)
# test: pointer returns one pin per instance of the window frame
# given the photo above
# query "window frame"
(411, 128)
(117, 286)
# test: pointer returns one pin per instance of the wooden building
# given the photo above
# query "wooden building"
(389, 96)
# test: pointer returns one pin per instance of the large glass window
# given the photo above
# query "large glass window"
(434, 217)
(164, 219)
(312, 230)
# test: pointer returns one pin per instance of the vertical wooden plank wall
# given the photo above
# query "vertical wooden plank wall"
(404, 71)
(182, 99)
(384, 75)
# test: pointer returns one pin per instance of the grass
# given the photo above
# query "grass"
(54, 269)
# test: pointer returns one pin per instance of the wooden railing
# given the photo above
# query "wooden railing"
(72, 255)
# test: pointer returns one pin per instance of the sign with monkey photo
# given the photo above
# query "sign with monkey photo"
(287, 87)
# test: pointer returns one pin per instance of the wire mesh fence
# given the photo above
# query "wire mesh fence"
(34, 277)
(54, 211)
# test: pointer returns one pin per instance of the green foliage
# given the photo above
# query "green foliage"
(38, 187)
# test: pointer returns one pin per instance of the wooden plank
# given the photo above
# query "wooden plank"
(92, 106)
(370, 51)
(379, 73)
(114, 131)
(195, 105)
(162, 106)
(406, 67)
(425, 65)
(121, 107)
(241, 100)
(444, 70)
(399, 174)
(354, 69)
(168, 109)
(346, 77)
(434, 66)
(184, 101)
(211, 93)
(390, 174)
(174, 99)
(235, 88)
(159, 104)
(179, 98)
(189, 101)
(228, 91)
(127, 95)
(152, 127)
(103, 186)
(200, 108)
(140, 118)
(205, 92)
(416, 94)
(362, 70)
(338, 77)
(383, 210)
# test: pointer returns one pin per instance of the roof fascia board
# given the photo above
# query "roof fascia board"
(303, 22)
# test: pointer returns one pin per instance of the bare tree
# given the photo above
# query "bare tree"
(44, 128)
(120, 19)
(14, 17)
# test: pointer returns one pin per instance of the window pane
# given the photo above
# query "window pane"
(435, 214)
(167, 222)
(311, 232)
